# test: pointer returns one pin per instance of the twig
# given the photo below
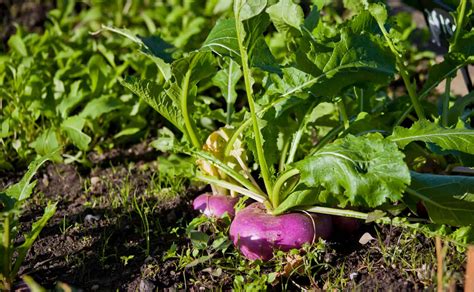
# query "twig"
(439, 257)
(469, 281)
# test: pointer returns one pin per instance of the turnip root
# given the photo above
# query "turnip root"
(215, 205)
(256, 233)
(346, 225)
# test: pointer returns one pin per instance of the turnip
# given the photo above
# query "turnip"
(257, 233)
(215, 205)
(345, 225)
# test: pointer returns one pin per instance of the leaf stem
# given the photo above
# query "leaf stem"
(298, 135)
(229, 171)
(284, 152)
(184, 108)
(343, 113)
(230, 186)
(404, 74)
(6, 256)
(445, 100)
(275, 194)
(460, 20)
(338, 212)
(228, 97)
(248, 89)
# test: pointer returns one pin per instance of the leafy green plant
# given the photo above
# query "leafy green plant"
(12, 201)
(61, 88)
(332, 84)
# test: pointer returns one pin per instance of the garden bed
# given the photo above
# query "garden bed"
(96, 241)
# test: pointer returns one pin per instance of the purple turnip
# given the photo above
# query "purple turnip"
(346, 225)
(256, 233)
(215, 205)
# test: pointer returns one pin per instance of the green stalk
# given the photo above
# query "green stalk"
(338, 212)
(248, 88)
(229, 105)
(229, 171)
(284, 152)
(297, 137)
(404, 74)
(6, 256)
(445, 99)
(343, 113)
(275, 194)
(460, 20)
(230, 186)
(184, 107)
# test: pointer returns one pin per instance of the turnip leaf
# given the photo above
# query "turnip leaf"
(448, 199)
(31, 236)
(356, 59)
(72, 127)
(154, 94)
(23, 189)
(158, 50)
(459, 139)
(359, 171)
(223, 41)
(286, 16)
(226, 79)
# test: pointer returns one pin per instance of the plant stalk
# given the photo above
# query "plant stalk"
(445, 110)
(298, 135)
(184, 107)
(338, 212)
(248, 88)
(6, 257)
(229, 171)
(460, 20)
(343, 113)
(227, 185)
(404, 74)
(275, 195)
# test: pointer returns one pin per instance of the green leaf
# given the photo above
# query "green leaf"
(286, 16)
(360, 171)
(465, 46)
(99, 106)
(158, 50)
(222, 40)
(459, 107)
(356, 60)
(154, 94)
(23, 189)
(166, 140)
(72, 127)
(46, 143)
(439, 72)
(31, 236)
(226, 79)
(16, 43)
(446, 197)
(246, 9)
(459, 139)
